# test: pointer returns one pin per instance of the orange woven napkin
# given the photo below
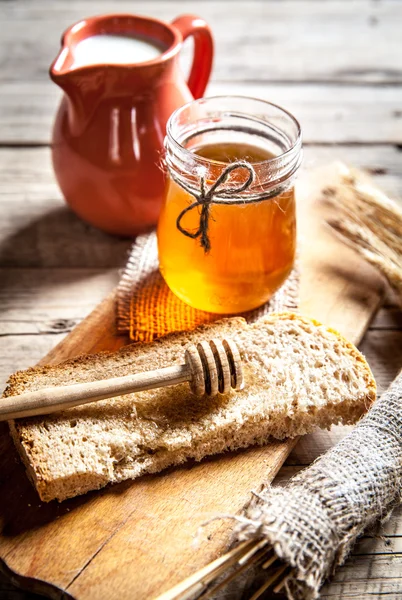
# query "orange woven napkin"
(147, 309)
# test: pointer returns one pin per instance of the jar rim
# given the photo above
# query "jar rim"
(269, 161)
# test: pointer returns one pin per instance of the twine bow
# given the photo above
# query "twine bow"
(206, 198)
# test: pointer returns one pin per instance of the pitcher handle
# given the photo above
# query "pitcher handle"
(203, 51)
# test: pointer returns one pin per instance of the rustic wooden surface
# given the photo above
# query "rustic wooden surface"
(337, 288)
(77, 544)
(336, 64)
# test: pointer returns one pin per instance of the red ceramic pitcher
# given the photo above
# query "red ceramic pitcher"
(109, 130)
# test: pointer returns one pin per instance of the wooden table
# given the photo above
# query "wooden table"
(335, 64)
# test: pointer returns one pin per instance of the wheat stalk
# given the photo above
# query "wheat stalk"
(370, 223)
(204, 584)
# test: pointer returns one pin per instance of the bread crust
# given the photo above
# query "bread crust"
(236, 425)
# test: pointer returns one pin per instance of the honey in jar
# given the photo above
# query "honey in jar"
(251, 234)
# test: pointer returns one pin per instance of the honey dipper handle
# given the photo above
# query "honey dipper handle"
(55, 399)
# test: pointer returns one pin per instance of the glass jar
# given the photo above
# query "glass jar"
(227, 230)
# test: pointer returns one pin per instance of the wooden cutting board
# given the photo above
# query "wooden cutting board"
(137, 539)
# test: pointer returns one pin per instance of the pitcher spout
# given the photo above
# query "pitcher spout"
(83, 86)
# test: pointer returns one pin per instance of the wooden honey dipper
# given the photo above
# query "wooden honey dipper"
(209, 367)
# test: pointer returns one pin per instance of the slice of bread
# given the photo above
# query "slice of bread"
(299, 375)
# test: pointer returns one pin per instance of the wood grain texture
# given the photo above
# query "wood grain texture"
(336, 64)
(328, 113)
(158, 516)
(262, 43)
(38, 230)
(103, 514)
(50, 301)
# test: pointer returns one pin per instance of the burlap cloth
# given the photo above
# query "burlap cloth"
(315, 519)
(147, 309)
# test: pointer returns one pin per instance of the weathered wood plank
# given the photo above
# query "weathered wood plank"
(331, 113)
(271, 35)
(38, 230)
(106, 512)
(388, 318)
(39, 307)
(36, 301)
(384, 544)
(49, 301)
(42, 301)
(351, 312)
(23, 351)
(365, 577)
(44, 304)
(26, 174)
(261, 43)
(383, 350)
(392, 527)
(371, 587)
(328, 113)
(52, 236)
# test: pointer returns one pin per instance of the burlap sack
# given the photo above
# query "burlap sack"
(314, 521)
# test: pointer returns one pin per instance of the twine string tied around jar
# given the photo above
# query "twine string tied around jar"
(206, 197)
